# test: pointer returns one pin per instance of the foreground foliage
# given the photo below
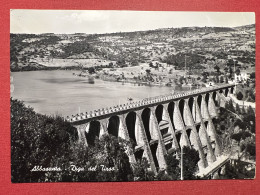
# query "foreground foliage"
(51, 142)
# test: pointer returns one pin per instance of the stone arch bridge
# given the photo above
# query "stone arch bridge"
(160, 125)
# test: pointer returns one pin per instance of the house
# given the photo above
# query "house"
(242, 77)
(210, 84)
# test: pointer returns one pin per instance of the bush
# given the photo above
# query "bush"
(239, 95)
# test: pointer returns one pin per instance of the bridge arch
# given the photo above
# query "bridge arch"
(93, 132)
(206, 124)
(113, 125)
(178, 137)
(146, 116)
(164, 128)
(207, 99)
(214, 97)
(171, 111)
(159, 113)
(190, 103)
(169, 148)
(189, 131)
(163, 124)
(232, 90)
(181, 107)
(199, 100)
(226, 92)
(154, 148)
(130, 125)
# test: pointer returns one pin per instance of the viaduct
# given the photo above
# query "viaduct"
(161, 125)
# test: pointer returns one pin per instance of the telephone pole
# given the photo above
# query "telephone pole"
(181, 163)
(185, 66)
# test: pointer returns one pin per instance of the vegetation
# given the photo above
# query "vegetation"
(37, 140)
(40, 140)
(190, 163)
(193, 61)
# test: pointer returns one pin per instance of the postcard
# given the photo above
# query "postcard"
(102, 96)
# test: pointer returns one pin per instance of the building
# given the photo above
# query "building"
(242, 77)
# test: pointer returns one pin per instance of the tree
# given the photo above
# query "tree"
(240, 136)
(250, 111)
(237, 137)
(109, 152)
(205, 75)
(230, 72)
(249, 118)
(243, 111)
(226, 79)
(91, 70)
(148, 71)
(190, 162)
(240, 123)
(237, 71)
(252, 75)
(229, 105)
(221, 80)
(217, 68)
(173, 168)
(250, 148)
(240, 95)
(141, 172)
(217, 79)
(238, 111)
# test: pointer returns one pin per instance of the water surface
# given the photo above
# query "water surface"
(60, 92)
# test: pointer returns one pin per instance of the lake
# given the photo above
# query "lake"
(59, 92)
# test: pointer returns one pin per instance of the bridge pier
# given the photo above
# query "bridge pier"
(194, 138)
(81, 134)
(147, 148)
(161, 150)
(215, 175)
(203, 134)
(171, 129)
(179, 125)
(211, 107)
(123, 133)
(222, 99)
(103, 126)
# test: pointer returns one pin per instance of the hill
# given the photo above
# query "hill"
(169, 45)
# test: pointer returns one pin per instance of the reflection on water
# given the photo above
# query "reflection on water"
(59, 92)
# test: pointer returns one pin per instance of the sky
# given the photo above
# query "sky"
(98, 21)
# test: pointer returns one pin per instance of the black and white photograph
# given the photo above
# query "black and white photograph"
(118, 96)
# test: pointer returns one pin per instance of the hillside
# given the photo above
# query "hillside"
(203, 47)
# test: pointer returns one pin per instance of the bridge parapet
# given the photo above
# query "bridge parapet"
(145, 102)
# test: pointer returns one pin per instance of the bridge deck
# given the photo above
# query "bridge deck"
(120, 109)
(222, 160)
